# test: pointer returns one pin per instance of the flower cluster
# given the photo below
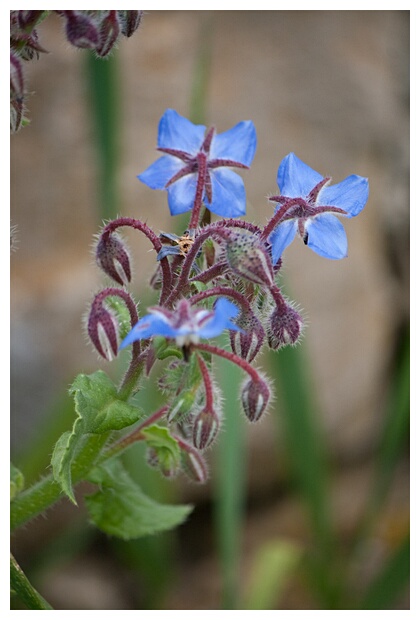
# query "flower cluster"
(94, 30)
(216, 277)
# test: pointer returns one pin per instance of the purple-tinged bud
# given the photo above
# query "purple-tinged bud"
(255, 397)
(205, 428)
(193, 464)
(109, 30)
(16, 77)
(129, 21)
(248, 342)
(113, 258)
(103, 330)
(247, 256)
(285, 326)
(28, 19)
(81, 29)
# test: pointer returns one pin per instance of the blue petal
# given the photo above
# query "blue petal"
(295, 178)
(238, 144)
(149, 325)
(350, 195)
(224, 310)
(160, 172)
(228, 193)
(326, 236)
(181, 194)
(281, 237)
(177, 132)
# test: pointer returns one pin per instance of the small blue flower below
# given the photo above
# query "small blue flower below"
(186, 324)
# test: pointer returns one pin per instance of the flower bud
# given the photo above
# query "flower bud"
(248, 342)
(205, 428)
(109, 30)
(81, 29)
(103, 330)
(193, 465)
(247, 256)
(255, 397)
(113, 258)
(129, 21)
(285, 326)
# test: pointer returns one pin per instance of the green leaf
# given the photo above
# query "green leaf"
(120, 508)
(99, 411)
(166, 448)
(17, 481)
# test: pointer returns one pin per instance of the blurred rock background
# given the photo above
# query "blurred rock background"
(332, 86)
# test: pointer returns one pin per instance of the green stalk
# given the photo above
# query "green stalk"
(24, 589)
(42, 495)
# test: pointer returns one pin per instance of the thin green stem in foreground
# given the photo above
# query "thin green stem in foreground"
(21, 585)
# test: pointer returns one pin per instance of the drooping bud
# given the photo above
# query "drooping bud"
(255, 397)
(81, 29)
(113, 258)
(103, 329)
(248, 342)
(129, 21)
(109, 30)
(285, 326)
(193, 464)
(205, 428)
(247, 256)
(16, 93)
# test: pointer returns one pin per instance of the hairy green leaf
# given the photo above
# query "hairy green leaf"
(120, 508)
(99, 411)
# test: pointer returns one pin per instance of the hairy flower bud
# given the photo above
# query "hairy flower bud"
(285, 326)
(248, 342)
(247, 256)
(193, 464)
(109, 30)
(205, 428)
(129, 21)
(81, 29)
(255, 397)
(113, 258)
(103, 330)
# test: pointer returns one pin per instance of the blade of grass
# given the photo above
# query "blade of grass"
(389, 584)
(103, 93)
(303, 443)
(396, 428)
(230, 483)
(274, 565)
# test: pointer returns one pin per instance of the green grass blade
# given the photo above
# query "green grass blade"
(230, 483)
(103, 93)
(274, 565)
(389, 584)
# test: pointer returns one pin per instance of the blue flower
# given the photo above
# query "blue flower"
(186, 324)
(308, 206)
(196, 165)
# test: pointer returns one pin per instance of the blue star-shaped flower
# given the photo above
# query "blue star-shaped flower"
(195, 167)
(308, 206)
(186, 324)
